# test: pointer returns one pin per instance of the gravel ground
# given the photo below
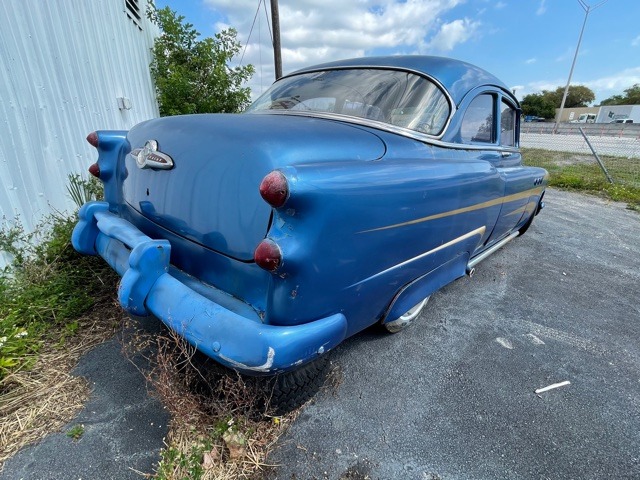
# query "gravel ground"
(453, 396)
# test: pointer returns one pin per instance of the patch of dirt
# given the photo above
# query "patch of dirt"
(565, 160)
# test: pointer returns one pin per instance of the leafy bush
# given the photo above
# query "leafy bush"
(193, 75)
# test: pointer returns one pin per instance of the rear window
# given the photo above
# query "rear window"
(397, 98)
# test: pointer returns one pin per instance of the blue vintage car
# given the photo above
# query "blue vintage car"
(343, 197)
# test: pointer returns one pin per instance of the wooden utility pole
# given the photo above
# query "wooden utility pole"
(275, 23)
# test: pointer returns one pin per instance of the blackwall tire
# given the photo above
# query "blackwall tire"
(288, 391)
(402, 322)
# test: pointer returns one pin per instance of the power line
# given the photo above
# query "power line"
(266, 15)
(250, 31)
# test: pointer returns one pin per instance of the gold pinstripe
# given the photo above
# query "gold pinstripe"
(470, 208)
(516, 211)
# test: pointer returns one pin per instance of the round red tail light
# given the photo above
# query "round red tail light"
(274, 189)
(95, 170)
(92, 138)
(268, 255)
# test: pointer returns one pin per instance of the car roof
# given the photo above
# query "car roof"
(456, 76)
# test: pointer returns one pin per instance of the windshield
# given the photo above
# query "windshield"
(402, 99)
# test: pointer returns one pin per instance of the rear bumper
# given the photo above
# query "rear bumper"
(147, 287)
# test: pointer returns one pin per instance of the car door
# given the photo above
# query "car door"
(508, 162)
(490, 126)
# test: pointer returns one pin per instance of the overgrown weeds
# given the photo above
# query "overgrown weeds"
(581, 172)
(47, 286)
(46, 293)
(45, 290)
(220, 427)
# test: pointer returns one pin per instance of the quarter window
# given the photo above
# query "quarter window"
(507, 125)
(477, 124)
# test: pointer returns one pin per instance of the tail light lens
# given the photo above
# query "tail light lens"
(95, 170)
(92, 138)
(274, 189)
(268, 255)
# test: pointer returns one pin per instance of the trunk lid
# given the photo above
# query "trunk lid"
(210, 195)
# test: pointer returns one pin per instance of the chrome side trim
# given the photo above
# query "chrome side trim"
(478, 231)
(477, 259)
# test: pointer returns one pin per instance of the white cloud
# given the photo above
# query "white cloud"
(529, 61)
(636, 42)
(453, 33)
(615, 83)
(603, 87)
(542, 8)
(499, 5)
(316, 31)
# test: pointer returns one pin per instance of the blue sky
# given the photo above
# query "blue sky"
(529, 44)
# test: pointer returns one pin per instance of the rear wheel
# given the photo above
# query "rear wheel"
(287, 391)
(405, 320)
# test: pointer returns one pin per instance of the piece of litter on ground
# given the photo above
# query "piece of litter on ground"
(551, 387)
(535, 340)
(505, 343)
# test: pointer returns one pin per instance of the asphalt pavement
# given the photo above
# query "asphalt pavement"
(124, 427)
(453, 396)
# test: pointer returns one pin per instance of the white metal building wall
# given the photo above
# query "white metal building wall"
(63, 65)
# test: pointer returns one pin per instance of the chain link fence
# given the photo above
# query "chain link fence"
(567, 155)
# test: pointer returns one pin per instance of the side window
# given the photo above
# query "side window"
(477, 124)
(507, 125)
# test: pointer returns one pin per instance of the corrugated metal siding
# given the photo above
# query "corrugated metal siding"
(63, 64)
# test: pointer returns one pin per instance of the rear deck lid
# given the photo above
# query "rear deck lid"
(210, 194)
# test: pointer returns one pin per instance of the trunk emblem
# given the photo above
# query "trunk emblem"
(150, 157)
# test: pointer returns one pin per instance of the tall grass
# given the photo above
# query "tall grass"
(45, 288)
(581, 172)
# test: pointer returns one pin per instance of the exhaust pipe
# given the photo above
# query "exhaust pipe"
(477, 259)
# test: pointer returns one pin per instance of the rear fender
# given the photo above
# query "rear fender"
(332, 246)
(424, 286)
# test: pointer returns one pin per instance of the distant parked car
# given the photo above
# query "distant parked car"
(622, 120)
(345, 196)
(533, 118)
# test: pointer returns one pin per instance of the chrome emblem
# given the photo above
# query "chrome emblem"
(150, 157)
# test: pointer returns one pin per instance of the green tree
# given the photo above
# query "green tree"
(578, 96)
(631, 97)
(536, 104)
(193, 75)
(613, 100)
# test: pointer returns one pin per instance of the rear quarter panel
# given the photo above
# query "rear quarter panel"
(353, 234)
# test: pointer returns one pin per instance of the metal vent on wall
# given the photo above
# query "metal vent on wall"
(132, 7)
